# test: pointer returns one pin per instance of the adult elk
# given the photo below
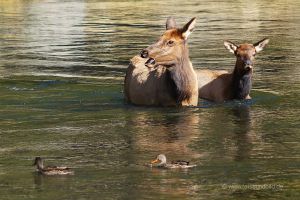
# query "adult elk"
(219, 86)
(163, 74)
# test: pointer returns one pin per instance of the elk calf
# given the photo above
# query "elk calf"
(219, 86)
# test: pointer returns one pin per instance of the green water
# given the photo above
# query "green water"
(62, 65)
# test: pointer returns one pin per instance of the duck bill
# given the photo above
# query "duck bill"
(154, 161)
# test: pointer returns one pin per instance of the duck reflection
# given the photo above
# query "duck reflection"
(38, 180)
(41, 181)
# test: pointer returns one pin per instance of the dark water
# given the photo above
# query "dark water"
(62, 65)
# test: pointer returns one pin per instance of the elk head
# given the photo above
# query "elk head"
(171, 46)
(245, 54)
(242, 74)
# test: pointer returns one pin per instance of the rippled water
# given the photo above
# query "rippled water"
(62, 65)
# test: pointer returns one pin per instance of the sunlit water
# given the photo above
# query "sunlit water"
(61, 72)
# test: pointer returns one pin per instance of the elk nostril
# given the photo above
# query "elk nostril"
(144, 53)
(248, 67)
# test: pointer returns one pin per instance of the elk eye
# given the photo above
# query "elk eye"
(170, 42)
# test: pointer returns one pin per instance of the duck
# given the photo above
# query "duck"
(161, 162)
(51, 170)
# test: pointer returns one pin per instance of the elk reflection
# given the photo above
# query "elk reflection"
(169, 133)
(242, 131)
(227, 133)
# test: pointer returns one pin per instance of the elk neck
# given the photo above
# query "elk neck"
(183, 75)
(241, 81)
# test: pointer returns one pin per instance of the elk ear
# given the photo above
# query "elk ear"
(171, 23)
(230, 46)
(259, 46)
(188, 28)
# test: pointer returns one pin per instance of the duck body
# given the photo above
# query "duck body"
(161, 162)
(51, 170)
(56, 171)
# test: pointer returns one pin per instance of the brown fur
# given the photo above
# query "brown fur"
(172, 80)
(220, 86)
(211, 85)
(148, 86)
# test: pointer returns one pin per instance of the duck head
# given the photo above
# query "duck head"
(160, 160)
(38, 162)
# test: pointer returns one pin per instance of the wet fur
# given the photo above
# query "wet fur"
(182, 75)
(241, 85)
(220, 86)
(150, 87)
(171, 81)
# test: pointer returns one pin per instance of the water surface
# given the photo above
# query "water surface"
(62, 65)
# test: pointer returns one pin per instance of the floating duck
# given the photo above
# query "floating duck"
(51, 170)
(161, 161)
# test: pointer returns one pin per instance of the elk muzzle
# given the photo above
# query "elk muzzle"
(248, 65)
(150, 62)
